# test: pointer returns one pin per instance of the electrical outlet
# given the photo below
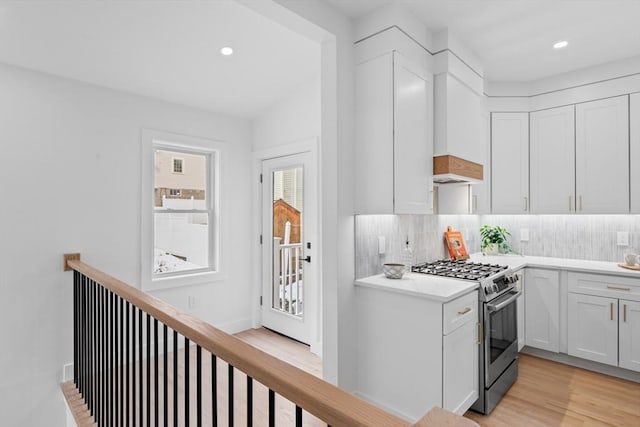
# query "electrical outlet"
(623, 238)
(524, 234)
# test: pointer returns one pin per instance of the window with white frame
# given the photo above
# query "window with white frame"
(180, 225)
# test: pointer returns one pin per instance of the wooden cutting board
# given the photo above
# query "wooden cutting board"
(630, 267)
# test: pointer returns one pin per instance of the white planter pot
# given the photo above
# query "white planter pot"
(492, 249)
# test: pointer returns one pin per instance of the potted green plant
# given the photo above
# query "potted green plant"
(494, 240)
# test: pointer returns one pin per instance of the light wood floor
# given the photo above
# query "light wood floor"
(546, 393)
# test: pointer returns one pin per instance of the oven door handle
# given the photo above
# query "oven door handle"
(505, 303)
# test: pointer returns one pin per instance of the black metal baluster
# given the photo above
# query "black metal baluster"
(75, 327)
(148, 370)
(99, 360)
(94, 340)
(81, 339)
(133, 366)
(272, 408)
(186, 382)
(116, 359)
(175, 378)
(105, 302)
(231, 398)
(110, 362)
(198, 386)
(140, 368)
(214, 389)
(128, 416)
(121, 361)
(249, 401)
(165, 374)
(155, 371)
(89, 399)
(298, 416)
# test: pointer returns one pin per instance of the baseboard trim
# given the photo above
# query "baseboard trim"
(235, 326)
(385, 407)
(589, 365)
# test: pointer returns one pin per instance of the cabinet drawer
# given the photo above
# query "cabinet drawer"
(606, 286)
(459, 311)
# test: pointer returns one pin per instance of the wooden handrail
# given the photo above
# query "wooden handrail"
(327, 402)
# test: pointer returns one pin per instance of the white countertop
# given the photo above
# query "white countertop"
(516, 262)
(431, 287)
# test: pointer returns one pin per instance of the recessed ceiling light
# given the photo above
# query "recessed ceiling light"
(561, 44)
(226, 51)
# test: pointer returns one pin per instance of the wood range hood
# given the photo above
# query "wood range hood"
(454, 170)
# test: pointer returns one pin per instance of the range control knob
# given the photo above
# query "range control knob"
(487, 290)
(495, 288)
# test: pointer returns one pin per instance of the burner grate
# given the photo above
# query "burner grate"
(458, 269)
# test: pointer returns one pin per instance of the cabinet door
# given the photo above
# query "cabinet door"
(634, 151)
(629, 330)
(593, 328)
(542, 309)
(602, 156)
(374, 136)
(509, 163)
(413, 139)
(481, 192)
(460, 368)
(552, 148)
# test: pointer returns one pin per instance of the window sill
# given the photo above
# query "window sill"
(201, 278)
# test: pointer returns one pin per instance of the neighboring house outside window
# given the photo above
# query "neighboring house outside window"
(180, 220)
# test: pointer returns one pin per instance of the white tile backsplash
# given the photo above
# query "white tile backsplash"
(590, 237)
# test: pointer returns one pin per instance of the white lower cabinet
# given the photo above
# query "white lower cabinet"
(415, 353)
(604, 319)
(542, 309)
(629, 333)
(593, 328)
(460, 368)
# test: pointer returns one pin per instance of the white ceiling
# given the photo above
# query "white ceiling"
(513, 38)
(167, 50)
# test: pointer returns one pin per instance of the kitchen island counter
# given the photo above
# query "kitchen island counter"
(435, 288)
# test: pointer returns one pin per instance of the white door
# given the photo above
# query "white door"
(289, 232)
(552, 151)
(602, 156)
(593, 328)
(629, 318)
(542, 309)
(509, 163)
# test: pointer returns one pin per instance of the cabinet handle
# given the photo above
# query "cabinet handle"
(465, 311)
(526, 203)
(611, 305)
(480, 331)
(618, 288)
(624, 312)
(580, 199)
(570, 204)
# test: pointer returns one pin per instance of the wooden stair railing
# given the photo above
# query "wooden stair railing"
(121, 385)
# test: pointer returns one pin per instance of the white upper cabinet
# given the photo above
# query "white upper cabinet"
(602, 156)
(394, 137)
(510, 163)
(634, 151)
(552, 175)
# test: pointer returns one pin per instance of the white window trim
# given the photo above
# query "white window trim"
(152, 140)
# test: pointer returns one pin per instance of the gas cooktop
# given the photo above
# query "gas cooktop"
(459, 269)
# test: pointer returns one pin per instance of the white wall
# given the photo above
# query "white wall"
(71, 169)
(294, 119)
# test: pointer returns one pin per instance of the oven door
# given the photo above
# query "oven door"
(501, 335)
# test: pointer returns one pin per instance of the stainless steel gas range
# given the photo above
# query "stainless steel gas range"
(498, 317)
